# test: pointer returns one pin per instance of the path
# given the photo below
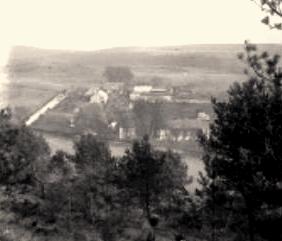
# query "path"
(51, 104)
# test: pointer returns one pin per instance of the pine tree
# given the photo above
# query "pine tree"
(151, 178)
(243, 153)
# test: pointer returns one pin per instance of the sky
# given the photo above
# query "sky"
(93, 24)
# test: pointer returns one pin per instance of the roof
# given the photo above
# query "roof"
(172, 110)
(142, 88)
(159, 90)
(113, 85)
(105, 87)
(187, 124)
(54, 122)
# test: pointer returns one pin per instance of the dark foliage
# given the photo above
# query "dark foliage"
(151, 178)
(149, 118)
(243, 154)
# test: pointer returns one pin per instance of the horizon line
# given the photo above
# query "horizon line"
(139, 46)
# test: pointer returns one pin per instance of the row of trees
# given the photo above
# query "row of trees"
(89, 190)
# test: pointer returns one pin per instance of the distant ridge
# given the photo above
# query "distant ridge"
(214, 57)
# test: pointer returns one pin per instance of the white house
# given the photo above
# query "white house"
(99, 96)
(142, 89)
(203, 116)
(148, 93)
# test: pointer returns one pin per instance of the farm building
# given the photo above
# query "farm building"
(179, 130)
(142, 89)
(97, 95)
(150, 94)
(114, 87)
(127, 129)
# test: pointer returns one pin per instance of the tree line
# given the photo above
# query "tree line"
(89, 190)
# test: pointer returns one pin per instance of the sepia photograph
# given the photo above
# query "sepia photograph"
(130, 120)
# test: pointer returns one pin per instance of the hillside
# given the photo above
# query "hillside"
(37, 74)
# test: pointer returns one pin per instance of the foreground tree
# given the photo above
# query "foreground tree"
(243, 154)
(94, 188)
(20, 149)
(23, 154)
(151, 178)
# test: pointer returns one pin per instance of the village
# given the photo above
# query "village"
(116, 111)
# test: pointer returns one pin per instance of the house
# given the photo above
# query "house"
(179, 130)
(142, 89)
(203, 116)
(91, 91)
(126, 133)
(163, 134)
(57, 122)
(150, 94)
(114, 87)
(139, 91)
(127, 128)
(97, 95)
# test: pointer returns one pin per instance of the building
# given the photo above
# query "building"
(150, 94)
(127, 130)
(114, 87)
(203, 116)
(180, 130)
(142, 89)
(97, 95)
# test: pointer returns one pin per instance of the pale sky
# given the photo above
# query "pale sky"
(93, 24)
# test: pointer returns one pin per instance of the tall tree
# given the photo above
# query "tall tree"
(243, 152)
(20, 148)
(95, 168)
(151, 177)
(22, 154)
